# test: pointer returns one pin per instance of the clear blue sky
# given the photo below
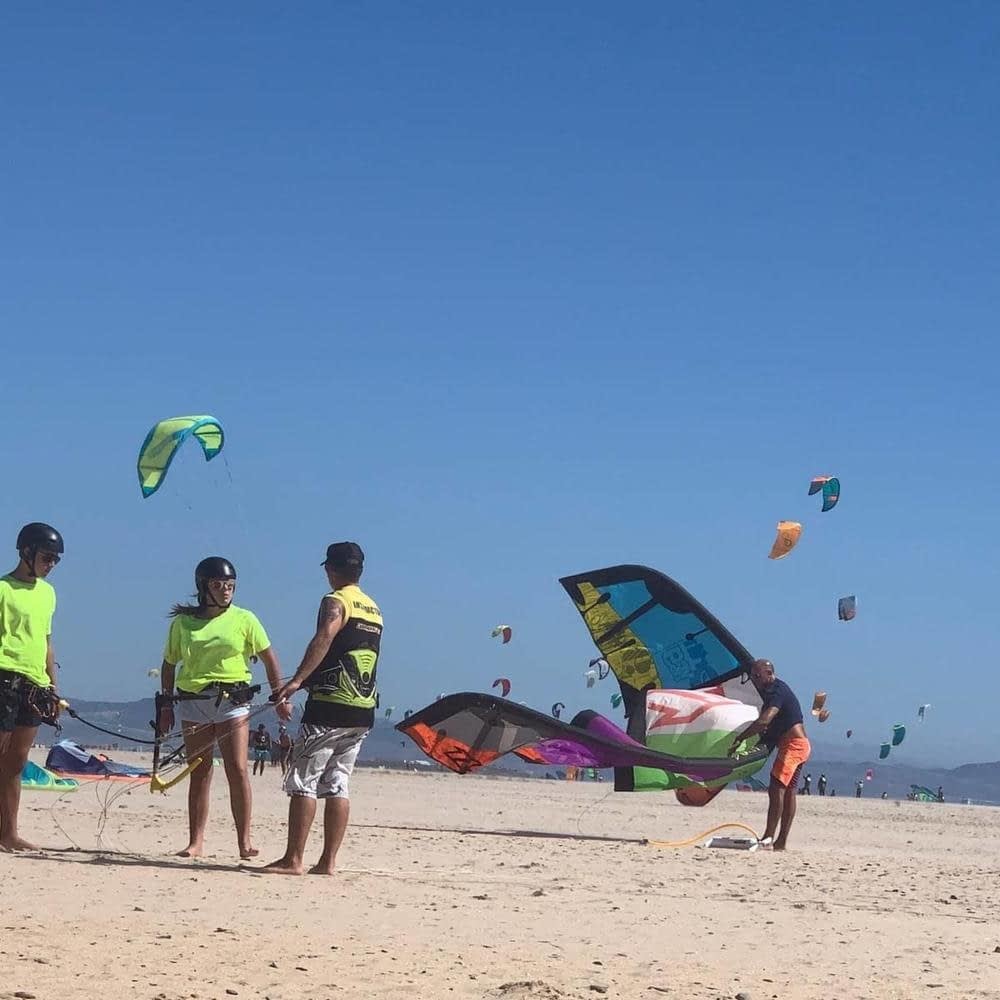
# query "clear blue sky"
(504, 294)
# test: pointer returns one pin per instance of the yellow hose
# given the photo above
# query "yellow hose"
(699, 836)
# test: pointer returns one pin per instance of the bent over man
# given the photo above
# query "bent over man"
(779, 725)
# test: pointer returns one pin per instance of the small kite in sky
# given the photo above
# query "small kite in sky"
(830, 486)
(504, 685)
(787, 538)
(503, 632)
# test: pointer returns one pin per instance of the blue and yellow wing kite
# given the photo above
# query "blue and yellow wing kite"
(655, 636)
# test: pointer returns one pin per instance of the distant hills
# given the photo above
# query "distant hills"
(977, 782)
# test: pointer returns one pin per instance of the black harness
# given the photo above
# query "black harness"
(18, 690)
(237, 694)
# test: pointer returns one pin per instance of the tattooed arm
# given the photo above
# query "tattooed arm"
(331, 620)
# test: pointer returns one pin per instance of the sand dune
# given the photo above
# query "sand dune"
(441, 894)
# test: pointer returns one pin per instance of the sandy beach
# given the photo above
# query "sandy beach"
(441, 894)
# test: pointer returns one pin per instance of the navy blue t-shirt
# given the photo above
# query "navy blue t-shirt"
(780, 696)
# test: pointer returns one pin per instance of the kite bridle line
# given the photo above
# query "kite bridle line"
(238, 697)
(161, 699)
(128, 786)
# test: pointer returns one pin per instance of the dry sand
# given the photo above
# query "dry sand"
(877, 899)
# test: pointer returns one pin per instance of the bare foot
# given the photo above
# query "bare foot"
(281, 867)
(246, 853)
(322, 869)
(191, 851)
(779, 845)
(17, 844)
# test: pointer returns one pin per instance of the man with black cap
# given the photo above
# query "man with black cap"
(338, 670)
(27, 665)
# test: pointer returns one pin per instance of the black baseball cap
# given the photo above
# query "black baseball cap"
(343, 554)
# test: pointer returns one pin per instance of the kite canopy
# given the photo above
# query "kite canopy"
(898, 734)
(824, 714)
(467, 731)
(920, 793)
(557, 709)
(847, 608)
(652, 632)
(819, 701)
(163, 440)
(922, 712)
(66, 757)
(602, 667)
(38, 779)
(830, 486)
(504, 685)
(591, 678)
(850, 733)
(616, 700)
(653, 635)
(786, 539)
(503, 632)
(869, 774)
(884, 751)
(390, 710)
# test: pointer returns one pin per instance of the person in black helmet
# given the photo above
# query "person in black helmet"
(212, 642)
(338, 669)
(27, 665)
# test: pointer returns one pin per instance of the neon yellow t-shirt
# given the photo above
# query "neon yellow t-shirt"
(214, 650)
(26, 611)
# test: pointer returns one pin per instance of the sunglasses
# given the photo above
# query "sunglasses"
(49, 557)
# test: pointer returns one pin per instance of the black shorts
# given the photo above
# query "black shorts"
(15, 704)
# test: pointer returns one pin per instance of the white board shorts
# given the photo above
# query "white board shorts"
(322, 761)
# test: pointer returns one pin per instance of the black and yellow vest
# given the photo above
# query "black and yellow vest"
(347, 674)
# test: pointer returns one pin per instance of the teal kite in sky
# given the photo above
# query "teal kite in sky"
(163, 440)
(830, 486)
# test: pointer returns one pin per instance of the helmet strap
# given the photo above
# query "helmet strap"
(29, 556)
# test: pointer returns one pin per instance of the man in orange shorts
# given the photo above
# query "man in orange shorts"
(779, 725)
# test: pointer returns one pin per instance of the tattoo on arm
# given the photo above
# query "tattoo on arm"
(331, 612)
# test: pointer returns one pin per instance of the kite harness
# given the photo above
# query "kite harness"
(238, 694)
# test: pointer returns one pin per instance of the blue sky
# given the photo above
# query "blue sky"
(505, 294)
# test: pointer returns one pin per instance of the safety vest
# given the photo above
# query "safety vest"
(346, 675)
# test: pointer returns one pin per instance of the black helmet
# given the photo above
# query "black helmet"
(212, 568)
(38, 537)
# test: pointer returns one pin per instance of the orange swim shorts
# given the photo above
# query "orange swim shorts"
(793, 752)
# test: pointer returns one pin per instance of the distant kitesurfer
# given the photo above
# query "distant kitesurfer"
(821, 784)
(27, 665)
(338, 669)
(213, 641)
(779, 725)
(261, 747)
